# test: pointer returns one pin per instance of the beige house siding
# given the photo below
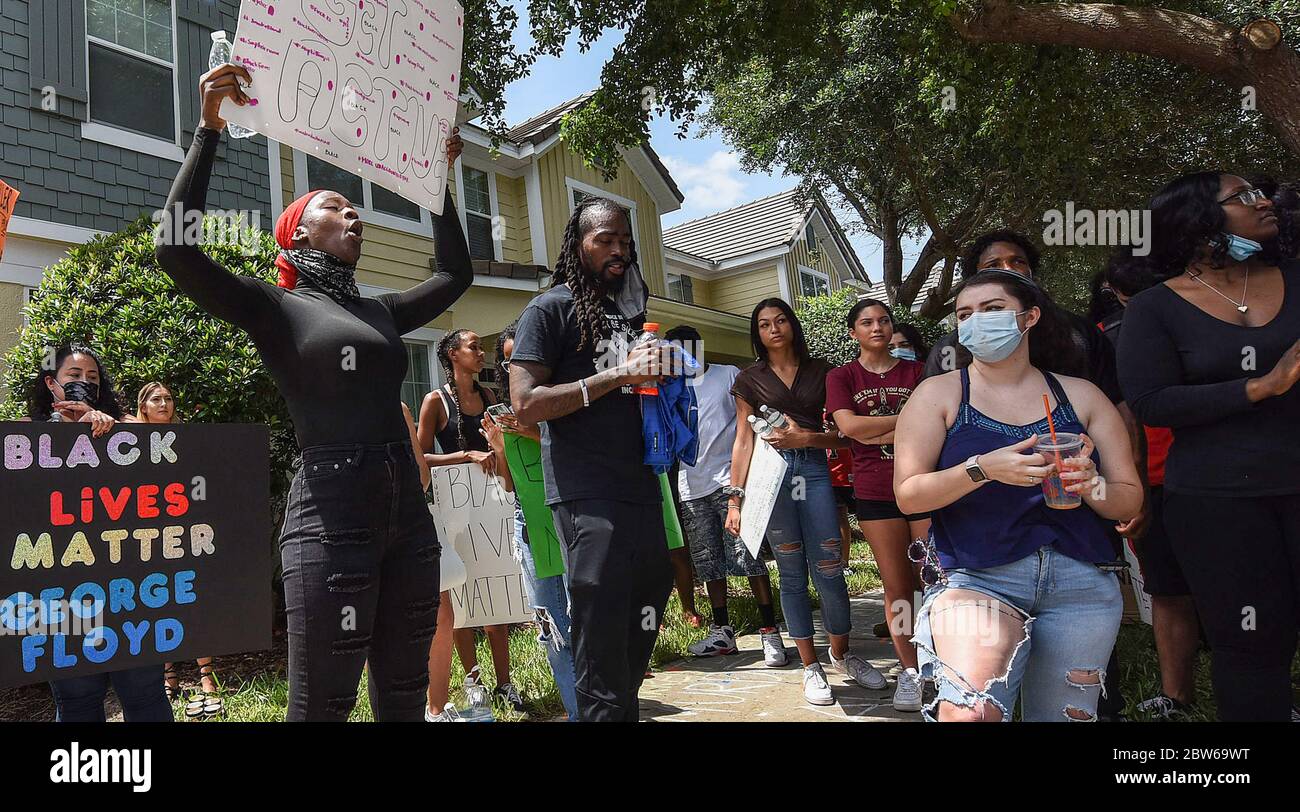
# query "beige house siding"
(11, 316)
(559, 163)
(512, 202)
(739, 293)
(702, 291)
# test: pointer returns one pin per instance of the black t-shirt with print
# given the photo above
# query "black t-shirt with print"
(596, 452)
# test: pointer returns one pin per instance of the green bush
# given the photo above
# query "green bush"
(828, 336)
(111, 294)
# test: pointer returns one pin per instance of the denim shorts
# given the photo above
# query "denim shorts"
(715, 553)
(1069, 613)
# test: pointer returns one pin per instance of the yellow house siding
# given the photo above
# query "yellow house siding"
(702, 292)
(487, 310)
(11, 315)
(559, 163)
(738, 294)
(512, 202)
(800, 255)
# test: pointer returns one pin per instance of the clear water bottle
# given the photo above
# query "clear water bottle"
(480, 705)
(760, 426)
(774, 418)
(220, 55)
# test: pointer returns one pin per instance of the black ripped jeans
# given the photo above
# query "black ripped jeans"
(360, 558)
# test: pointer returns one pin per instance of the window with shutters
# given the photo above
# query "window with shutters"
(130, 50)
(478, 213)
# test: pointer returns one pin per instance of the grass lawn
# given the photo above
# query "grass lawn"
(261, 696)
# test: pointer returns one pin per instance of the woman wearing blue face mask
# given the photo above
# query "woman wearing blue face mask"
(908, 344)
(1211, 353)
(1017, 606)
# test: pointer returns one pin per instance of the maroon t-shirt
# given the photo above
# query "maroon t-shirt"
(871, 394)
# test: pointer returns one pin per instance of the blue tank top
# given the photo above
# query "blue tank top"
(998, 523)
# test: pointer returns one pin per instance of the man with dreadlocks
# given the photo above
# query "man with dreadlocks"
(569, 373)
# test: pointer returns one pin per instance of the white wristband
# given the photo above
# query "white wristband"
(586, 397)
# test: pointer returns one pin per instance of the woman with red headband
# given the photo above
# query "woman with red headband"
(359, 549)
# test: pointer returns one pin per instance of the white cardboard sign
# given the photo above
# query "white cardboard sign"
(477, 515)
(369, 86)
(762, 485)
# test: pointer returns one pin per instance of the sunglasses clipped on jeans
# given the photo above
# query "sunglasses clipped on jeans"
(921, 551)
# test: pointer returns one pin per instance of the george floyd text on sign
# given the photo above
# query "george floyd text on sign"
(474, 513)
(147, 545)
(370, 87)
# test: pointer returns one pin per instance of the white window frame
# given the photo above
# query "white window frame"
(492, 201)
(127, 139)
(804, 269)
(668, 284)
(365, 208)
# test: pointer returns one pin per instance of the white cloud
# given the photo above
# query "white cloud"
(711, 186)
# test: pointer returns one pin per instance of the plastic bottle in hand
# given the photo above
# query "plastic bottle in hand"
(218, 56)
(774, 418)
(650, 335)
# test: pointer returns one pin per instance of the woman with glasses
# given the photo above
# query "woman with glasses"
(1017, 606)
(1211, 352)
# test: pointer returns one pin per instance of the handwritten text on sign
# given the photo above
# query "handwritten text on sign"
(478, 516)
(147, 545)
(367, 85)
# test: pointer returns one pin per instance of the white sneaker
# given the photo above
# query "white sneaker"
(721, 640)
(860, 671)
(449, 714)
(774, 655)
(815, 688)
(907, 694)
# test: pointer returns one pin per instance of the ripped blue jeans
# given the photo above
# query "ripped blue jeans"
(1041, 629)
(804, 533)
(550, 599)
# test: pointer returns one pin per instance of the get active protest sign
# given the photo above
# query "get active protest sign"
(150, 544)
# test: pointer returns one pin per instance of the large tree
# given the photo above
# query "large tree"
(919, 132)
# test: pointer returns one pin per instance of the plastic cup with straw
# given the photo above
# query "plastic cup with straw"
(1065, 444)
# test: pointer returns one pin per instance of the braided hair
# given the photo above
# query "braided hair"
(592, 323)
(449, 343)
(503, 373)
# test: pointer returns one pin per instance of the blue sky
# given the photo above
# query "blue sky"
(705, 168)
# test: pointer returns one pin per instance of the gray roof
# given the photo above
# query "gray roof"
(756, 226)
(768, 222)
(877, 291)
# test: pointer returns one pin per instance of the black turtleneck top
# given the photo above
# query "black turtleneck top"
(339, 367)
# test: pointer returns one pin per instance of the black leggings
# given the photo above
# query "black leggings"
(1241, 558)
(360, 557)
(616, 557)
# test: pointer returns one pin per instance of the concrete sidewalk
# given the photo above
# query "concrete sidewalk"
(739, 688)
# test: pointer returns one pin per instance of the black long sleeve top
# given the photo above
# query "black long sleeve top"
(339, 367)
(1184, 369)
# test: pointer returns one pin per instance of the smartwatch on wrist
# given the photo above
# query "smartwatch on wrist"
(974, 471)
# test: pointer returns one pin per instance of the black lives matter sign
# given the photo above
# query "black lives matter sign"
(150, 544)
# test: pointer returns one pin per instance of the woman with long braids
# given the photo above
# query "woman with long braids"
(1211, 352)
(358, 542)
(453, 416)
(568, 374)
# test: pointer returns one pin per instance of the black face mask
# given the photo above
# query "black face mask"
(82, 391)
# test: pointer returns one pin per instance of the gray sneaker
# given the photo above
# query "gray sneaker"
(907, 693)
(860, 671)
(721, 640)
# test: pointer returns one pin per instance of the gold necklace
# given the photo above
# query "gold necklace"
(1241, 306)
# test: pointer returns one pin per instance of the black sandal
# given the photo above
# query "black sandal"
(169, 674)
(203, 703)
